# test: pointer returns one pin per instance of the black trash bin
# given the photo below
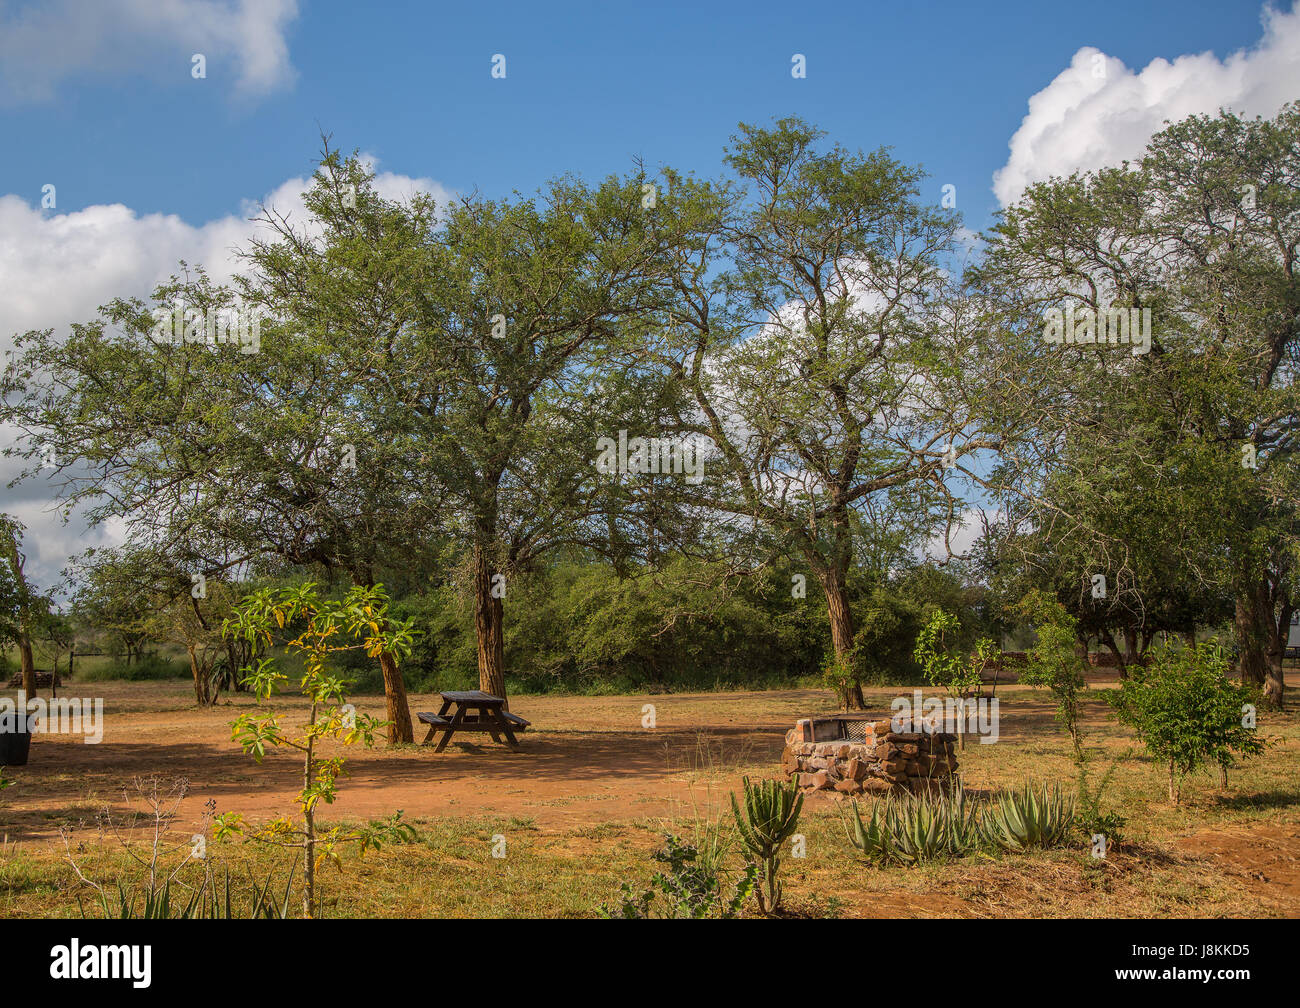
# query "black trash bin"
(15, 740)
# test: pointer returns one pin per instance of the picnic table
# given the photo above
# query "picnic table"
(475, 711)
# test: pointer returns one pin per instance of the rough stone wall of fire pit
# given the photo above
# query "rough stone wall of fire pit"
(885, 761)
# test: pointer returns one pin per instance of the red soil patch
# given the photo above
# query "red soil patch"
(1264, 857)
(574, 768)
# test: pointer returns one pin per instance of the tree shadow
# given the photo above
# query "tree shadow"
(1274, 799)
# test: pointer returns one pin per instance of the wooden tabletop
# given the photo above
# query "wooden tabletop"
(472, 697)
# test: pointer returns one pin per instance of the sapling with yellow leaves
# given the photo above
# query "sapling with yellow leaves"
(317, 629)
(960, 674)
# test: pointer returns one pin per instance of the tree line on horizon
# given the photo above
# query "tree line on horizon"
(431, 385)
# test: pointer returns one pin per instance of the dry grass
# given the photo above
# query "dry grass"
(573, 841)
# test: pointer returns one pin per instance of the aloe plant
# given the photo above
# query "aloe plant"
(917, 829)
(874, 839)
(1029, 818)
(770, 819)
(210, 901)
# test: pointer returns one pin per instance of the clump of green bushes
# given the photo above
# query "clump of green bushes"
(149, 668)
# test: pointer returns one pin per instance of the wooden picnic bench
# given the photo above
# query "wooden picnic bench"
(475, 711)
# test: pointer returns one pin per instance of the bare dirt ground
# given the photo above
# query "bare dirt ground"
(1264, 858)
(585, 759)
(588, 770)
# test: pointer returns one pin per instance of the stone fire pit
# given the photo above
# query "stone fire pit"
(856, 753)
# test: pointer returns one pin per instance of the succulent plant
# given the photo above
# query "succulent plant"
(770, 818)
(916, 829)
(1024, 819)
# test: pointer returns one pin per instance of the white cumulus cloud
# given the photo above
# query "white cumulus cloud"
(58, 268)
(43, 44)
(1099, 112)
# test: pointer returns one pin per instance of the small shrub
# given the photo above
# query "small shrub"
(1053, 662)
(691, 888)
(1187, 712)
(1088, 816)
(960, 675)
(315, 630)
(840, 676)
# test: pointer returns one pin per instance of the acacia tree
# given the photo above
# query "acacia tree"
(197, 626)
(1111, 561)
(110, 596)
(532, 303)
(824, 371)
(1204, 232)
(421, 377)
(147, 595)
(217, 458)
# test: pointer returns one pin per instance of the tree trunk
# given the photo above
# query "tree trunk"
(26, 663)
(200, 679)
(398, 710)
(1173, 785)
(1109, 640)
(1249, 641)
(235, 665)
(1279, 633)
(1274, 682)
(1131, 650)
(837, 601)
(25, 660)
(309, 830)
(489, 619)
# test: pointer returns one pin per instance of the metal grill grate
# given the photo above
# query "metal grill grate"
(855, 731)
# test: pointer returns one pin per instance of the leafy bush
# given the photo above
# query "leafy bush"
(960, 674)
(691, 887)
(1054, 662)
(839, 675)
(887, 625)
(582, 628)
(1187, 712)
(149, 668)
(579, 627)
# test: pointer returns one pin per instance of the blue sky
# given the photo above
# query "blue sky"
(150, 165)
(588, 86)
